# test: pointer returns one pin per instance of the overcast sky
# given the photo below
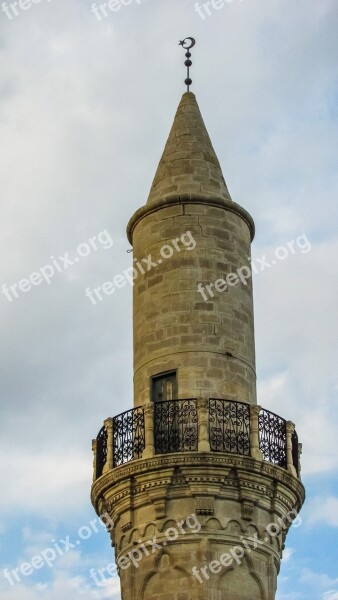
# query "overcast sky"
(86, 106)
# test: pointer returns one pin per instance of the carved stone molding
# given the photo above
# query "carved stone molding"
(114, 478)
(205, 506)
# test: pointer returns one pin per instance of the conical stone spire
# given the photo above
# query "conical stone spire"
(189, 164)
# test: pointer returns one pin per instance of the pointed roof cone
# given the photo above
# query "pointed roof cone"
(189, 164)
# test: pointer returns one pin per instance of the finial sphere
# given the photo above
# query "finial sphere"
(187, 44)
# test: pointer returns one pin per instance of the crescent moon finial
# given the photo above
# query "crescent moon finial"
(187, 44)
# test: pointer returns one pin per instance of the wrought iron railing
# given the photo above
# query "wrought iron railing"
(229, 426)
(128, 436)
(101, 450)
(175, 426)
(272, 437)
(233, 428)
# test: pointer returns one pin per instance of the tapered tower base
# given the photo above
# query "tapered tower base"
(199, 526)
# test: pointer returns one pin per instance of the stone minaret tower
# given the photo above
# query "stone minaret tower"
(201, 483)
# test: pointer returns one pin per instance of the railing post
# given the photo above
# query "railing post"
(94, 459)
(300, 450)
(203, 423)
(108, 423)
(290, 427)
(149, 449)
(254, 432)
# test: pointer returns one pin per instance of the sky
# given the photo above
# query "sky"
(86, 104)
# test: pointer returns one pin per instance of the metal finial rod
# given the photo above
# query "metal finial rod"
(187, 44)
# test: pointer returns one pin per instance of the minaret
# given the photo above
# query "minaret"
(202, 484)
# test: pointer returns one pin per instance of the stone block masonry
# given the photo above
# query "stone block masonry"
(162, 298)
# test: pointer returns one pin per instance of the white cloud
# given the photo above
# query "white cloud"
(331, 595)
(287, 553)
(63, 586)
(323, 510)
(317, 580)
(49, 484)
(289, 596)
(296, 350)
(65, 581)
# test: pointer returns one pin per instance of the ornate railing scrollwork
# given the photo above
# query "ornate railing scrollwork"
(175, 426)
(191, 425)
(229, 426)
(101, 450)
(272, 438)
(128, 436)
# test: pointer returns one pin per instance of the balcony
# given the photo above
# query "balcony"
(196, 425)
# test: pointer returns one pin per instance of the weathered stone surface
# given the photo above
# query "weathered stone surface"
(243, 497)
(189, 163)
(208, 339)
(171, 287)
